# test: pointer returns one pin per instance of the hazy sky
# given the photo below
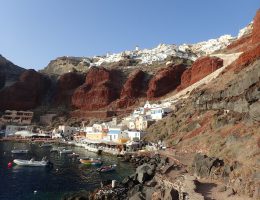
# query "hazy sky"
(33, 32)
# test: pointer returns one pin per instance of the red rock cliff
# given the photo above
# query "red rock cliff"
(132, 89)
(165, 80)
(256, 28)
(25, 94)
(199, 69)
(98, 91)
(66, 85)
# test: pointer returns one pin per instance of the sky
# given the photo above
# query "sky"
(33, 32)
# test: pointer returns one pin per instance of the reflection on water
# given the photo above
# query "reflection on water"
(67, 174)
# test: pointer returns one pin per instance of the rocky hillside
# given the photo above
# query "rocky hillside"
(9, 72)
(221, 118)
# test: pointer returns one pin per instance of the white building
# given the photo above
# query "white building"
(135, 135)
(67, 130)
(116, 135)
(12, 129)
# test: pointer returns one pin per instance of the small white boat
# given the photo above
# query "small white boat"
(65, 151)
(46, 145)
(31, 163)
(18, 151)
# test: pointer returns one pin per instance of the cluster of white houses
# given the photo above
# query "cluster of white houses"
(130, 128)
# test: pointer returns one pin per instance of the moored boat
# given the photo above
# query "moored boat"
(108, 168)
(19, 151)
(31, 163)
(65, 151)
(90, 161)
(46, 145)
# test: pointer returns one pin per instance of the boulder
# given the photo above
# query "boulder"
(254, 111)
(27, 93)
(171, 194)
(165, 80)
(144, 173)
(203, 164)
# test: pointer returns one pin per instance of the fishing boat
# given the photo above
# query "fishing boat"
(31, 163)
(73, 155)
(108, 168)
(46, 145)
(19, 151)
(65, 151)
(90, 161)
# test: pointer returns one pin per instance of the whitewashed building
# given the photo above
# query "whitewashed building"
(10, 130)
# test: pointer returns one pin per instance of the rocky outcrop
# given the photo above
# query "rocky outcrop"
(2, 80)
(10, 71)
(165, 80)
(67, 64)
(200, 69)
(132, 89)
(210, 167)
(27, 93)
(66, 85)
(101, 87)
(256, 28)
(239, 94)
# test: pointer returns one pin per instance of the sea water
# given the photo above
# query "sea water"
(67, 174)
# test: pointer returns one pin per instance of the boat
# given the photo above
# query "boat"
(65, 151)
(108, 168)
(46, 145)
(90, 161)
(31, 163)
(19, 151)
(73, 155)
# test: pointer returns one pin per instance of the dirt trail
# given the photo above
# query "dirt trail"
(209, 189)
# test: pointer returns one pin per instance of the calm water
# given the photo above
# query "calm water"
(67, 175)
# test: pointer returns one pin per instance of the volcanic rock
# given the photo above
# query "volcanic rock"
(165, 80)
(25, 94)
(10, 71)
(132, 89)
(2, 79)
(66, 85)
(256, 28)
(99, 90)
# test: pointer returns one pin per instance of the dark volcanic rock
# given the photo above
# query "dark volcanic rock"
(203, 164)
(10, 71)
(25, 94)
(165, 80)
(2, 79)
(66, 85)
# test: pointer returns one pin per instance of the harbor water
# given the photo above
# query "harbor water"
(67, 174)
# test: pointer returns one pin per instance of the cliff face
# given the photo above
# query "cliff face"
(66, 85)
(99, 90)
(199, 69)
(26, 93)
(221, 119)
(66, 64)
(9, 72)
(165, 80)
(132, 89)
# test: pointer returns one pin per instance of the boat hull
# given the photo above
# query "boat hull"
(29, 163)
